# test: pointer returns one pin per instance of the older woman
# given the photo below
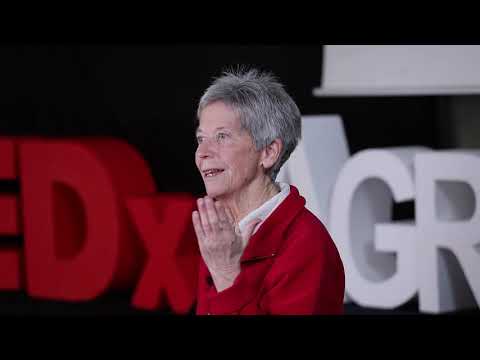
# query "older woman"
(262, 251)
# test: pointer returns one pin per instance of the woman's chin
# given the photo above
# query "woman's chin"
(214, 192)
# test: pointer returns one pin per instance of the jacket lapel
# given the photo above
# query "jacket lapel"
(270, 235)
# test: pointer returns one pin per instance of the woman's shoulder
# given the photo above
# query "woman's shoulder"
(308, 232)
(307, 222)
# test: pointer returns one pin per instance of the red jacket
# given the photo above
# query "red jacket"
(290, 266)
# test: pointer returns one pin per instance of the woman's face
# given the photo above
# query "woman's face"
(226, 156)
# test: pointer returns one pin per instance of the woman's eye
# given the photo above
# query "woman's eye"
(199, 139)
(221, 136)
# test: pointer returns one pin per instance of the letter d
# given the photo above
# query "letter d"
(78, 239)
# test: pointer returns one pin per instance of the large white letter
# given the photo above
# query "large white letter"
(448, 229)
(378, 256)
(314, 165)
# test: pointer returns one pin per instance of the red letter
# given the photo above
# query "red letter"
(9, 225)
(78, 239)
(170, 275)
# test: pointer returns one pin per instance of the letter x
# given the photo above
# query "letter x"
(170, 272)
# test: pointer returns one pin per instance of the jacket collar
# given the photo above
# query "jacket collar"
(268, 239)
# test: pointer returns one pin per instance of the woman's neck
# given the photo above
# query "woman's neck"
(251, 197)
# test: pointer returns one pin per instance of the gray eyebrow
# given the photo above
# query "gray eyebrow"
(218, 128)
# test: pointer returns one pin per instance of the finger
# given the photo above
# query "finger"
(222, 216)
(197, 226)
(229, 215)
(202, 211)
(212, 214)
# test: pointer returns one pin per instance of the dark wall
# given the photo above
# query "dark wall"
(147, 95)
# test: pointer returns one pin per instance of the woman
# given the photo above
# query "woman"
(262, 251)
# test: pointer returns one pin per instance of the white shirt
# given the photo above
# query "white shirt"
(264, 210)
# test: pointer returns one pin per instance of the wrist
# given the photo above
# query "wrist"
(224, 278)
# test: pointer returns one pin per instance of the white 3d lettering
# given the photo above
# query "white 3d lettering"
(387, 263)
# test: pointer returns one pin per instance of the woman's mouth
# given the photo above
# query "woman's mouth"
(212, 172)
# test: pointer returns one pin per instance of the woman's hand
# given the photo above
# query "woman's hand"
(220, 246)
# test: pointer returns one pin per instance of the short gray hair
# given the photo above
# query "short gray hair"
(264, 108)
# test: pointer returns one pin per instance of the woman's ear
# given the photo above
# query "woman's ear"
(271, 153)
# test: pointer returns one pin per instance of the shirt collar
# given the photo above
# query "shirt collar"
(264, 210)
(268, 239)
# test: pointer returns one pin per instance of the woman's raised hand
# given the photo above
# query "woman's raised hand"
(220, 246)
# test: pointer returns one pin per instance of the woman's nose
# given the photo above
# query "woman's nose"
(205, 149)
